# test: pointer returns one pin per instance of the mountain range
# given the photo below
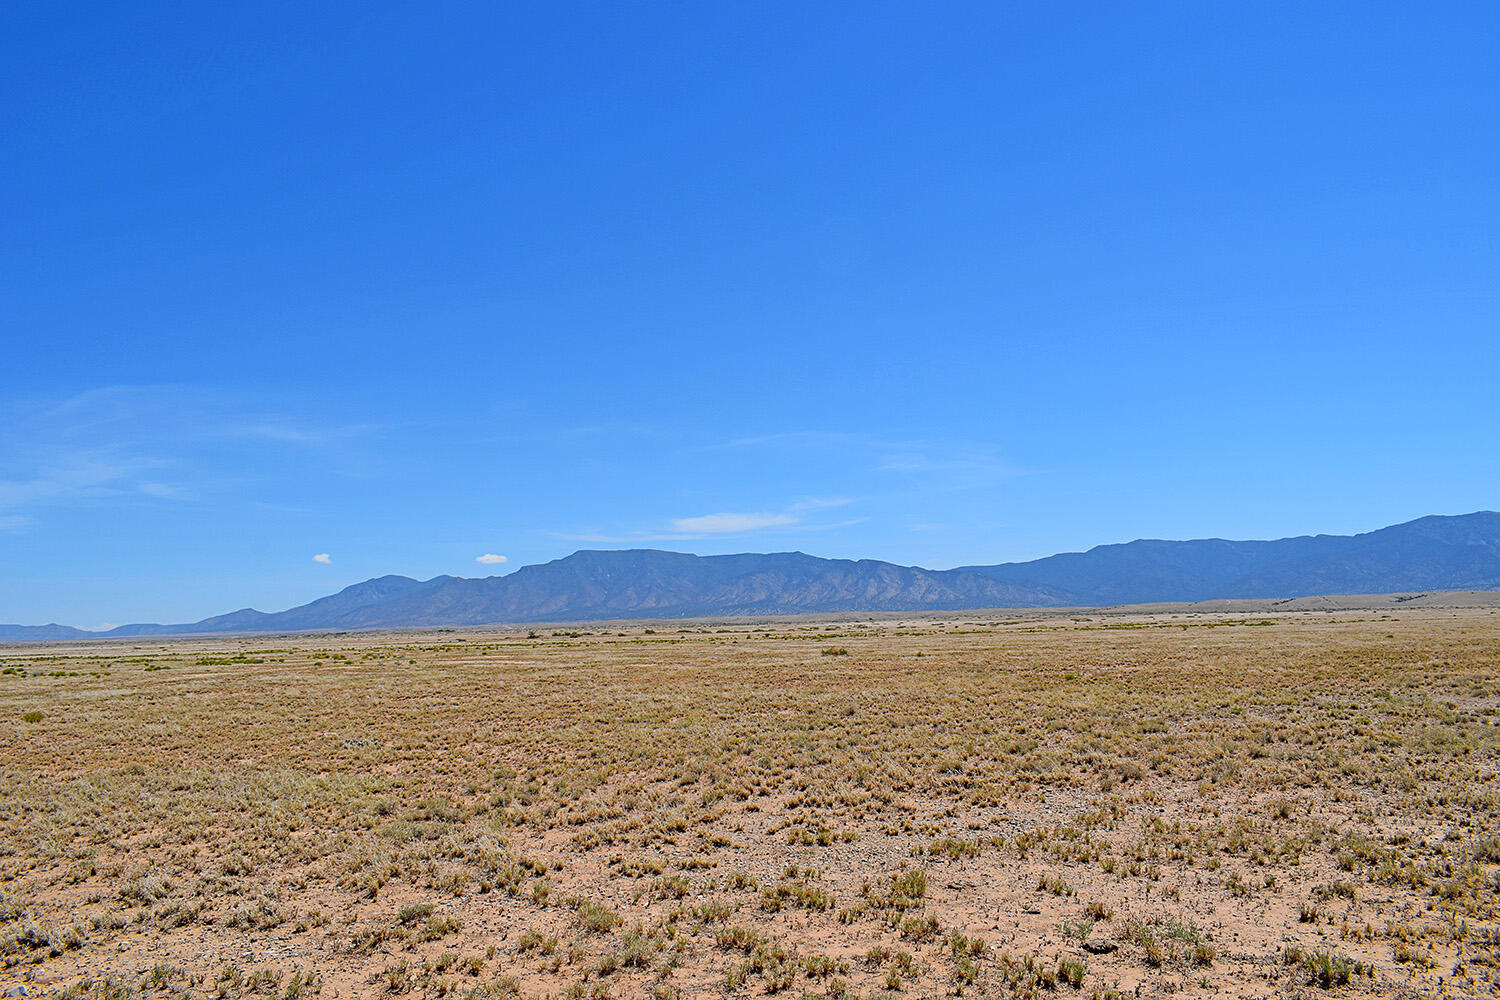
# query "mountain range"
(1430, 553)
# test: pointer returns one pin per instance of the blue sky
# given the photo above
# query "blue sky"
(940, 284)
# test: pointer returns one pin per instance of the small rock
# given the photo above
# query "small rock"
(1094, 947)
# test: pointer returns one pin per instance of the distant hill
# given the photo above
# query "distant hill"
(43, 633)
(634, 583)
(315, 615)
(1431, 553)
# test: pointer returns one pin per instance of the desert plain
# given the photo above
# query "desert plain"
(988, 805)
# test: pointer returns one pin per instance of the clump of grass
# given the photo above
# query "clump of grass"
(439, 927)
(1325, 968)
(910, 884)
(1079, 929)
(1055, 885)
(953, 848)
(1406, 954)
(1071, 971)
(795, 894)
(962, 944)
(532, 939)
(413, 913)
(595, 916)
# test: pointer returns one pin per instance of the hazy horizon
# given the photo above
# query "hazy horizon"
(491, 561)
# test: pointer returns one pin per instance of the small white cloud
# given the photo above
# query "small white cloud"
(490, 559)
(323, 557)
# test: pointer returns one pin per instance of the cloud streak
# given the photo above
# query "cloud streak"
(309, 437)
(78, 475)
(157, 443)
(731, 524)
(726, 523)
(645, 536)
(918, 458)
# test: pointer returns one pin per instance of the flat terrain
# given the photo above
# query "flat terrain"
(1278, 804)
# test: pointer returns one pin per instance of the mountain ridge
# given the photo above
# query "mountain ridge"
(1437, 552)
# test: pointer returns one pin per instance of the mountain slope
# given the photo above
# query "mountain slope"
(1430, 553)
(644, 582)
(650, 583)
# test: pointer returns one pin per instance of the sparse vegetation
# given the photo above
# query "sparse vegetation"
(1039, 804)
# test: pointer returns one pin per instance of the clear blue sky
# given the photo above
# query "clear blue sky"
(938, 284)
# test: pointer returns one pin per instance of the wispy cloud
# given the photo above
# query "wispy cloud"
(730, 524)
(726, 523)
(490, 559)
(814, 503)
(946, 459)
(164, 491)
(805, 438)
(159, 443)
(963, 460)
(77, 475)
(324, 558)
(284, 433)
